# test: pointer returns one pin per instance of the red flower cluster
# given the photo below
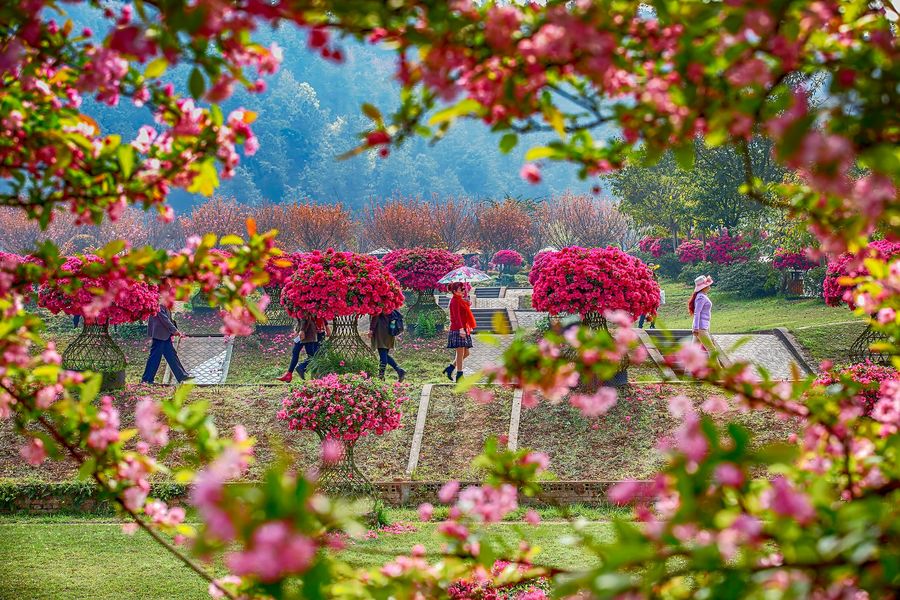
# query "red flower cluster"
(867, 377)
(334, 284)
(111, 299)
(420, 268)
(280, 268)
(344, 407)
(691, 251)
(656, 246)
(785, 259)
(508, 258)
(851, 265)
(580, 280)
(725, 249)
(646, 243)
(536, 264)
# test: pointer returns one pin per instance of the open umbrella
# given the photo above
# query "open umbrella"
(464, 275)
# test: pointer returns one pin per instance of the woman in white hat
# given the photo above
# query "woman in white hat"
(700, 306)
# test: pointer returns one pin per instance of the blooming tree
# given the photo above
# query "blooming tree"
(508, 259)
(582, 220)
(453, 220)
(307, 225)
(595, 281)
(419, 269)
(221, 216)
(503, 224)
(104, 297)
(341, 409)
(387, 224)
(341, 286)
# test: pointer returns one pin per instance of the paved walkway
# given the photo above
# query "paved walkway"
(765, 350)
(487, 355)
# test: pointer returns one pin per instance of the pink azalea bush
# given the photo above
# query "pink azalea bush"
(344, 407)
(508, 258)
(868, 379)
(725, 249)
(280, 268)
(691, 251)
(334, 284)
(785, 259)
(850, 266)
(419, 269)
(581, 280)
(111, 299)
(536, 264)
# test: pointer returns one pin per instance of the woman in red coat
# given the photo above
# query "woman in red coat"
(462, 323)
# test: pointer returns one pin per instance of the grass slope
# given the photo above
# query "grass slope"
(89, 560)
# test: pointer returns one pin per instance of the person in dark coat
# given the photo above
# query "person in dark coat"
(161, 329)
(306, 335)
(383, 342)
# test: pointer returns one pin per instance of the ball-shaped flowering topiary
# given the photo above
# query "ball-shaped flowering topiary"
(536, 264)
(594, 280)
(785, 259)
(344, 407)
(645, 244)
(419, 269)
(726, 249)
(850, 266)
(337, 284)
(280, 268)
(691, 251)
(866, 378)
(508, 258)
(108, 299)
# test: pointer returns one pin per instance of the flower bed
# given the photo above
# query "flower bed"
(866, 379)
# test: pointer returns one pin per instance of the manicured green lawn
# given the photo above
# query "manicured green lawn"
(91, 560)
(732, 314)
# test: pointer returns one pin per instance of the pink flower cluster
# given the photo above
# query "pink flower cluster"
(656, 246)
(111, 299)
(333, 284)
(868, 376)
(536, 264)
(850, 266)
(420, 268)
(691, 251)
(344, 407)
(280, 268)
(725, 249)
(785, 259)
(508, 258)
(580, 281)
(275, 551)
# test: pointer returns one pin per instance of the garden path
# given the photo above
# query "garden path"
(485, 354)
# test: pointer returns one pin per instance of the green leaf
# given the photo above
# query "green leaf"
(231, 240)
(372, 112)
(508, 142)
(539, 152)
(196, 83)
(156, 68)
(463, 107)
(126, 159)
(87, 469)
(207, 180)
(91, 388)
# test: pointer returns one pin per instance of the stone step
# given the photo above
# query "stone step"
(484, 318)
(487, 292)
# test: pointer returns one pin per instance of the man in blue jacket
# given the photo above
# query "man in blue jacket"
(161, 328)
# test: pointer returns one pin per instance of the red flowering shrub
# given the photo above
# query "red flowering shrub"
(725, 249)
(539, 259)
(851, 265)
(280, 268)
(508, 258)
(691, 251)
(646, 243)
(866, 378)
(420, 268)
(334, 284)
(344, 407)
(661, 246)
(581, 280)
(785, 259)
(112, 299)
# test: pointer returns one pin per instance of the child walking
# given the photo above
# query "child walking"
(462, 323)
